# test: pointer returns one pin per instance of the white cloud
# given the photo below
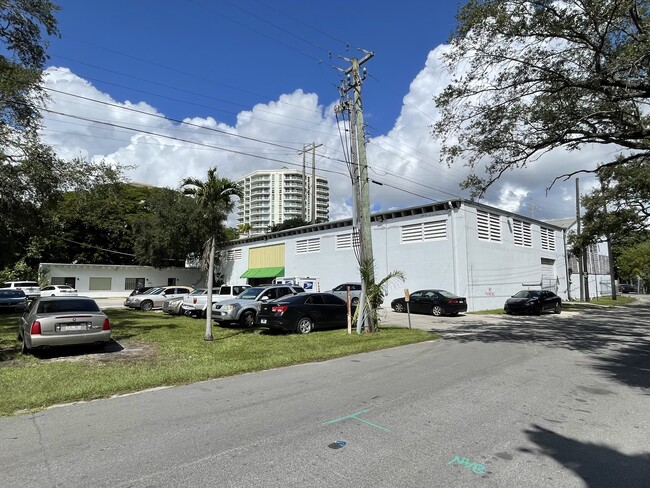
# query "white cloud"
(406, 160)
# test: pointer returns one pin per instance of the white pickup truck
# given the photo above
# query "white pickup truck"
(195, 304)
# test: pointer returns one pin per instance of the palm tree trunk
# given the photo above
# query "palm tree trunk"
(208, 310)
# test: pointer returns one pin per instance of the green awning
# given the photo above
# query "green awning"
(273, 272)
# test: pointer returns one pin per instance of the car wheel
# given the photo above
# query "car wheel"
(23, 346)
(437, 310)
(558, 308)
(146, 305)
(305, 325)
(355, 301)
(248, 319)
(399, 308)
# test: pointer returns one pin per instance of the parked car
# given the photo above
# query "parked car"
(63, 321)
(244, 308)
(341, 291)
(304, 313)
(12, 300)
(155, 297)
(196, 303)
(534, 302)
(435, 302)
(31, 288)
(626, 288)
(58, 291)
(173, 306)
(142, 289)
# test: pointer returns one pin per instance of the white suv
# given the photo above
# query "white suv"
(30, 288)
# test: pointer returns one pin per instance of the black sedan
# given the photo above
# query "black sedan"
(304, 313)
(435, 302)
(533, 302)
(12, 300)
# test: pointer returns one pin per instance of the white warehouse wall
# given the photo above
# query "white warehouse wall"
(451, 257)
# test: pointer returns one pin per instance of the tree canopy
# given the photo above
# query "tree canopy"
(534, 75)
(618, 208)
(23, 25)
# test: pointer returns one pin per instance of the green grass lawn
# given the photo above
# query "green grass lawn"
(152, 349)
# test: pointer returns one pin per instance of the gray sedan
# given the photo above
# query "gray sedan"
(63, 321)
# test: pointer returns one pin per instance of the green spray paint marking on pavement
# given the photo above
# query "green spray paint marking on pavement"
(354, 416)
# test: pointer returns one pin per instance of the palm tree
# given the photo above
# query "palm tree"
(214, 198)
(373, 294)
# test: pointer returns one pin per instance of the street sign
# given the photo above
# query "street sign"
(407, 295)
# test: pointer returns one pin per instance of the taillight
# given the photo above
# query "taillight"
(36, 327)
(452, 302)
(107, 324)
(194, 301)
(279, 308)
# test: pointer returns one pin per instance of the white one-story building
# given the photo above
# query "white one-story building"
(480, 252)
(116, 280)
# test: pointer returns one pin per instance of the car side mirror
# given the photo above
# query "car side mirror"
(265, 298)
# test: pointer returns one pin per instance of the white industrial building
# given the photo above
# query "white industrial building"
(474, 250)
(271, 197)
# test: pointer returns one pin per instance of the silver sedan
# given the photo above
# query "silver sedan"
(63, 321)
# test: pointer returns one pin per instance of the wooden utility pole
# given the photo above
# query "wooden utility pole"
(303, 210)
(313, 182)
(582, 262)
(361, 185)
(304, 215)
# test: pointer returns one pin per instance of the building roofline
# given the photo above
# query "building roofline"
(388, 215)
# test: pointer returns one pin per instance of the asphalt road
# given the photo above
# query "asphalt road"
(551, 401)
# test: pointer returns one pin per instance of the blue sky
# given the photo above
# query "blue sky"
(257, 80)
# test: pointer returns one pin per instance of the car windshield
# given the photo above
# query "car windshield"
(58, 306)
(11, 294)
(198, 291)
(251, 293)
(526, 294)
(154, 291)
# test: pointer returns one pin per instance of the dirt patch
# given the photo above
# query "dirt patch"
(111, 352)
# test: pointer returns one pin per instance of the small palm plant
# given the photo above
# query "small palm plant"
(374, 293)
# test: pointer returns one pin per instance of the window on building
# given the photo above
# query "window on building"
(347, 241)
(308, 245)
(522, 234)
(489, 226)
(233, 255)
(425, 231)
(548, 238)
(59, 280)
(99, 283)
(133, 283)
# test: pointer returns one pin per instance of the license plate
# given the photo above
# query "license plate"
(73, 327)
(262, 321)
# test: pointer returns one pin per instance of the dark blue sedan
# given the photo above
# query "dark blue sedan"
(12, 300)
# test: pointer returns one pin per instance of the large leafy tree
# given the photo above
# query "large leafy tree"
(215, 199)
(634, 261)
(534, 75)
(29, 170)
(169, 230)
(619, 208)
(23, 52)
